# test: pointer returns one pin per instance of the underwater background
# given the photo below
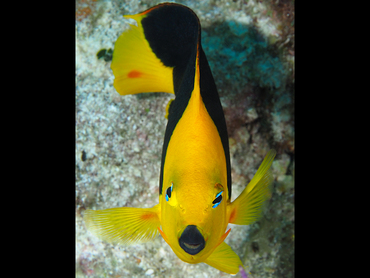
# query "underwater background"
(250, 48)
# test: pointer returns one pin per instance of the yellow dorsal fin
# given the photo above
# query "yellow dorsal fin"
(124, 225)
(135, 66)
(224, 259)
(248, 206)
(168, 108)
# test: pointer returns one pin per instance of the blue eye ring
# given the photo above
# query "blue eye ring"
(217, 200)
(168, 192)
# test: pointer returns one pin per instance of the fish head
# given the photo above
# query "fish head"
(193, 219)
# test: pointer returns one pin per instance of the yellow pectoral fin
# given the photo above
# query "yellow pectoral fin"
(135, 66)
(123, 225)
(224, 259)
(248, 206)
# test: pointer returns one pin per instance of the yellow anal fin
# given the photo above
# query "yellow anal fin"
(135, 66)
(248, 206)
(224, 259)
(123, 225)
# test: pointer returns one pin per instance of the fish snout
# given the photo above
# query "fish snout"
(191, 240)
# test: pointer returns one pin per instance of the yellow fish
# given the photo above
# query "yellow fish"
(162, 52)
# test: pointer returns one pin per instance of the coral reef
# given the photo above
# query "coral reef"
(250, 49)
(84, 8)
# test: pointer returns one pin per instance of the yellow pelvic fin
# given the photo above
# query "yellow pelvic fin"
(135, 66)
(224, 259)
(124, 225)
(247, 207)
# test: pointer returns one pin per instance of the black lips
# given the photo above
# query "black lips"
(191, 240)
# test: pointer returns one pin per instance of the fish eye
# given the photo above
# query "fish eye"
(218, 200)
(168, 192)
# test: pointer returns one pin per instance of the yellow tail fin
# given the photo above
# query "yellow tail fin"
(248, 206)
(135, 66)
(123, 225)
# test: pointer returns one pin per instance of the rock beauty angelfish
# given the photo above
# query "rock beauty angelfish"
(163, 53)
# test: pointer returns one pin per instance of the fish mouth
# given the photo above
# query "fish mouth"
(191, 246)
(191, 240)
